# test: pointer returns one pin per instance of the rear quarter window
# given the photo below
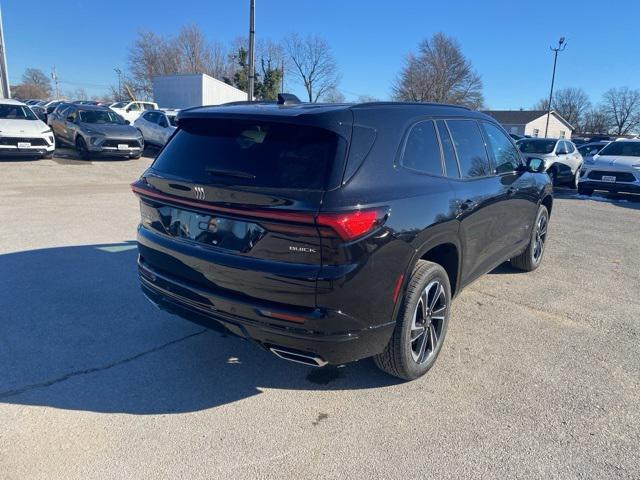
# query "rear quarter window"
(252, 153)
(422, 149)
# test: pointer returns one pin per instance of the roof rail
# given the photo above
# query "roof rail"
(426, 104)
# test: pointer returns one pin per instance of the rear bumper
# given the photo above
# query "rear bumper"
(317, 334)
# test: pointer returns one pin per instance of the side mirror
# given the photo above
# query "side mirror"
(127, 122)
(535, 165)
(70, 119)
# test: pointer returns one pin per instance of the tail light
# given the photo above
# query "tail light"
(353, 224)
(347, 225)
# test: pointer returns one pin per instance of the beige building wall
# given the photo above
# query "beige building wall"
(557, 129)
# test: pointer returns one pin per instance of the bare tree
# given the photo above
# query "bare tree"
(313, 64)
(367, 99)
(542, 104)
(439, 72)
(595, 121)
(622, 108)
(189, 52)
(571, 103)
(197, 55)
(149, 56)
(333, 96)
(37, 82)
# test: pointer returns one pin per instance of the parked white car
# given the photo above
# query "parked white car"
(22, 133)
(130, 111)
(616, 168)
(156, 126)
(561, 158)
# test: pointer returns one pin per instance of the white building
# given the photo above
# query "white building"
(532, 123)
(193, 90)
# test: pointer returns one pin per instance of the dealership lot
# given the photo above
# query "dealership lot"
(539, 376)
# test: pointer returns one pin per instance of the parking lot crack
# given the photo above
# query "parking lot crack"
(54, 381)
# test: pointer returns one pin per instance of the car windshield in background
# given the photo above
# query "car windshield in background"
(16, 112)
(260, 154)
(99, 116)
(622, 149)
(120, 105)
(536, 146)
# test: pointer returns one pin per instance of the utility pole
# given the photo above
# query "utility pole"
(282, 78)
(5, 90)
(561, 46)
(252, 32)
(119, 73)
(54, 77)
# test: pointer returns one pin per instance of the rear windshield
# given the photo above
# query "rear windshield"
(536, 146)
(261, 154)
(622, 149)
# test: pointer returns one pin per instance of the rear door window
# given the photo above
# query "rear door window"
(152, 117)
(422, 150)
(252, 153)
(469, 144)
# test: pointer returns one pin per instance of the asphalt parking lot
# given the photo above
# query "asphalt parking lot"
(539, 376)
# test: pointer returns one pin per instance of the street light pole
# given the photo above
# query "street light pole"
(252, 31)
(561, 46)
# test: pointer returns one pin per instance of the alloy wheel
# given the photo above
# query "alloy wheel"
(541, 236)
(428, 322)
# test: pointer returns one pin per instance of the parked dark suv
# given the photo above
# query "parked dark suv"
(332, 233)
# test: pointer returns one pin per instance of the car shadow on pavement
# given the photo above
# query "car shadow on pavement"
(77, 333)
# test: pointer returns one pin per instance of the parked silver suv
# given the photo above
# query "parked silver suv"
(95, 130)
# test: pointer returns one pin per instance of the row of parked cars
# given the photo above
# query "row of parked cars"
(119, 129)
(123, 128)
(612, 166)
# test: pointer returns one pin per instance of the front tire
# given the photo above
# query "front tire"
(421, 328)
(531, 258)
(82, 149)
(576, 179)
(585, 191)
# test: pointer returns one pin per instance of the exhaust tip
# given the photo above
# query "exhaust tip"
(297, 357)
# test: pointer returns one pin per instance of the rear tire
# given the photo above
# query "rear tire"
(531, 258)
(422, 325)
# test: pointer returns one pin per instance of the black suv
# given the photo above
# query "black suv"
(330, 233)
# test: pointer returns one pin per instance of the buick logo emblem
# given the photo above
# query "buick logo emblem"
(199, 191)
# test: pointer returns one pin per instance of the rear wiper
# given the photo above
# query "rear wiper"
(229, 173)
